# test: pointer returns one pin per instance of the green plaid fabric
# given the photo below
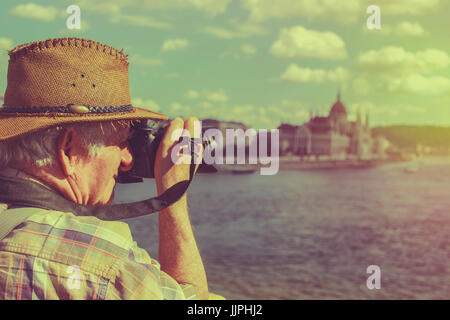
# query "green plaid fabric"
(56, 255)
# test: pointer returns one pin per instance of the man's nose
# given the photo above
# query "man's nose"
(126, 159)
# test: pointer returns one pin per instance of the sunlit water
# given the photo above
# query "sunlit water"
(312, 234)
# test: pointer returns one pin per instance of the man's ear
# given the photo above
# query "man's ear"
(65, 153)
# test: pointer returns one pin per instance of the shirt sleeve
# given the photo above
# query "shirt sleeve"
(141, 278)
(172, 290)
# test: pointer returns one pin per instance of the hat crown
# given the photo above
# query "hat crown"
(66, 71)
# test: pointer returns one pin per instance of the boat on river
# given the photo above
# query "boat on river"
(412, 167)
(237, 168)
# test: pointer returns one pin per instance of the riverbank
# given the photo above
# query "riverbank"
(295, 163)
(289, 163)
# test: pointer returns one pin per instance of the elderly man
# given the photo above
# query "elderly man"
(64, 125)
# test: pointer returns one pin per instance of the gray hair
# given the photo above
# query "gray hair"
(39, 149)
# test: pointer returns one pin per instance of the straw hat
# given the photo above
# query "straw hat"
(66, 80)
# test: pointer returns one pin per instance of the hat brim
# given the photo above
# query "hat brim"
(14, 125)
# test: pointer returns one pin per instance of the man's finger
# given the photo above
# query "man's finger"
(173, 133)
(194, 126)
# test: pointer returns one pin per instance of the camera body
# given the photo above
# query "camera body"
(145, 137)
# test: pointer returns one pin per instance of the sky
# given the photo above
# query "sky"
(262, 62)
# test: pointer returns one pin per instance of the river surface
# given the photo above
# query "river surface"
(312, 234)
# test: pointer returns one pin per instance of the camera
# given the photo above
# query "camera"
(144, 140)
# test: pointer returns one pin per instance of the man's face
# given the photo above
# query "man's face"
(96, 175)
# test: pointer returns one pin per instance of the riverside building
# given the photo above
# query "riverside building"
(332, 136)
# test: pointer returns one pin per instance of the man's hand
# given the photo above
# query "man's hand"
(178, 252)
(167, 172)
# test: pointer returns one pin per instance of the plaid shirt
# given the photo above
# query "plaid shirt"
(56, 255)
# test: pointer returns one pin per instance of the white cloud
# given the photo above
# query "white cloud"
(348, 11)
(344, 11)
(214, 96)
(413, 7)
(219, 96)
(35, 11)
(210, 7)
(395, 70)
(407, 28)
(5, 44)
(360, 85)
(237, 29)
(230, 54)
(220, 32)
(115, 7)
(137, 59)
(396, 60)
(175, 44)
(401, 29)
(145, 104)
(247, 28)
(256, 116)
(299, 74)
(206, 104)
(192, 94)
(139, 21)
(108, 7)
(290, 111)
(115, 10)
(418, 84)
(84, 26)
(413, 84)
(173, 75)
(248, 49)
(387, 114)
(431, 59)
(177, 109)
(298, 42)
(385, 30)
(373, 109)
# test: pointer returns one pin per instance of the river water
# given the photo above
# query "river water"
(312, 234)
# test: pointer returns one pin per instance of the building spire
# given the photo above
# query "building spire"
(339, 95)
(358, 116)
(367, 119)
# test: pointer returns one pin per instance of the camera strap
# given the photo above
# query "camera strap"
(25, 193)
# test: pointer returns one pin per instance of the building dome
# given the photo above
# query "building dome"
(338, 108)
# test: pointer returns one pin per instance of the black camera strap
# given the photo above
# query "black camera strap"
(25, 193)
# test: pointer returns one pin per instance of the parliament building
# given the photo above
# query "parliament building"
(333, 136)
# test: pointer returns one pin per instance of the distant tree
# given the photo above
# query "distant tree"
(408, 137)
